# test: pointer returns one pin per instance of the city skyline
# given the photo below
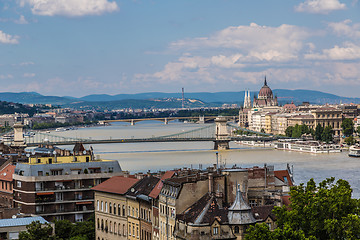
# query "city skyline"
(77, 47)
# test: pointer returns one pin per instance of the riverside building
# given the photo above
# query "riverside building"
(57, 185)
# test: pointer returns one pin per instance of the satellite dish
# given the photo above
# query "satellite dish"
(84, 152)
(54, 152)
(28, 154)
(132, 189)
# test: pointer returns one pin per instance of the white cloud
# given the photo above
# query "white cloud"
(21, 20)
(29, 75)
(26, 63)
(70, 8)
(349, 51)
(345, 28)
(8, 39)
(320, 6)
(256, 43)
(6, 76)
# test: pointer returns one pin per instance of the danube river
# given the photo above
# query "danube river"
(141, 157)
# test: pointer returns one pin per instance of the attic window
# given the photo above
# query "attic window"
(215, 231)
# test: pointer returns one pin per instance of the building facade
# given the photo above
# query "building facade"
(58, 186)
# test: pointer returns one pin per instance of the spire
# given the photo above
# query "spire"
(240, 212)
(265, 83)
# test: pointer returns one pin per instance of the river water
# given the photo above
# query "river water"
(141, 157)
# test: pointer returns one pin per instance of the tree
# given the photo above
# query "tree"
(350, 140)
(85, 229)
(348, 127)
(321, 212)
(288, 131)
(63, 228)
(358, 130)
(37, 231)
(327, 135)
(297, 131)
(318, 132)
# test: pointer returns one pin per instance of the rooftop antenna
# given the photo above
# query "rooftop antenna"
(182, 100)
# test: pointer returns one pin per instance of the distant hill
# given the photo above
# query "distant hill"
(138, 103)
(33, 97)
(148, 100)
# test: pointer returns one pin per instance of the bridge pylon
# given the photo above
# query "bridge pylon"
(18, 135)
(222, 137)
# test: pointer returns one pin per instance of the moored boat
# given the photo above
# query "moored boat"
(307, 146)
(354, 151)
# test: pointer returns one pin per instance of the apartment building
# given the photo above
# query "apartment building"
(58, 185)
(111, 209)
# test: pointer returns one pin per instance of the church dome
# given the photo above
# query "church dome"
(265, 91)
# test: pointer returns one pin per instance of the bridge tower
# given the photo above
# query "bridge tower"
(18, 134)
(201, 119)
(221, 134)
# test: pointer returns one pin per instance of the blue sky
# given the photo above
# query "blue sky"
(81, 47)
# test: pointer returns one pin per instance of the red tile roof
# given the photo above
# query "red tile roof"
(6, 174)
(286, 200)
(156, 191)
(117, 184)
(280, 174)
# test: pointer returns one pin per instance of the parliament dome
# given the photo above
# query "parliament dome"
(265, 91)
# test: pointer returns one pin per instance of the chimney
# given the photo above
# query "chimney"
(211, 183)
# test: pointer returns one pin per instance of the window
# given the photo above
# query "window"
(102, 206)
(106, 207)
(98, 205)
(115, 232)
(110, 208)
(114, 208)
(40, 173)
(18, 184)
(215, 230)
(124, 214)
(236, 229)
(119, 209)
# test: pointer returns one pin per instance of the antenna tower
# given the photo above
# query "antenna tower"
(182, 100)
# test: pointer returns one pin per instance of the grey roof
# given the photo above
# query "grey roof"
(22, 221)
(240, 212)
(33, 169)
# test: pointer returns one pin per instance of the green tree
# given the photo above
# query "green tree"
(63, 228)
(37, 231)
(350, 140)
(318, 132)
(85, 229)
(319, 212)
(297, 131)
(288, 131)
(327, 135)
(358, 130)
(348, 127)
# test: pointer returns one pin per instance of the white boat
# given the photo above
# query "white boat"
(354, 151)
(307, 146)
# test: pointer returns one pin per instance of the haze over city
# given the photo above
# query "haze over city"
(69, 47)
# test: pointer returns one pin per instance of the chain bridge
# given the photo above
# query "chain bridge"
(218, 133)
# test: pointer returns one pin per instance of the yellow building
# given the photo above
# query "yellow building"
(140, 209)
(111, 214)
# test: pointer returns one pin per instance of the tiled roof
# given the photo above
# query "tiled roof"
(261, 213)
(7, 172)
(143, 187)
(117, 184)
(286, 200)
(204, 211)
(156, 191)
(280, 174)
(22, 221)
